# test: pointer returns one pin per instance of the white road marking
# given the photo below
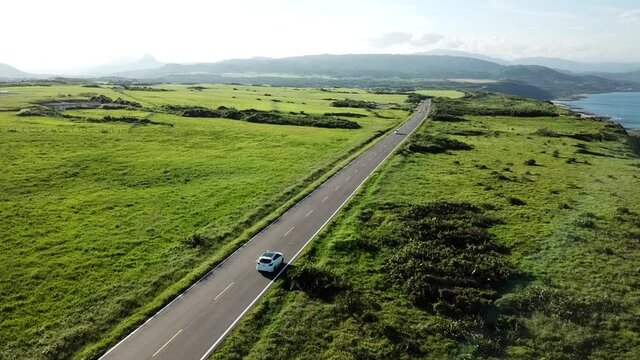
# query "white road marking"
(337, 187)
(167, 306)
(223, 291)
(233, 324)
(348, 177)
(325, 199)
(290, 230)
(309, 213)
(356, 171)
(167, 343)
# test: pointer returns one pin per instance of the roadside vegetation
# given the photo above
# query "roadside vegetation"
(262, 117)
(499, 235)
(108, 213)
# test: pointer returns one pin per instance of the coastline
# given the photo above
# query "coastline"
(577, 107)
(580, 111)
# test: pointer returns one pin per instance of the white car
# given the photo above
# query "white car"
(270, 261)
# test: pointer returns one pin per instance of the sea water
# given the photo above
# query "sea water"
(622, 107)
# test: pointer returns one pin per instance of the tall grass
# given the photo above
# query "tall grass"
(538, 261)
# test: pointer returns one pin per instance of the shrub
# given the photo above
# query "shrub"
(531, 162)
(345, 114)
(315, 281)
(634, 143)
(355, 104)
(39, 111)
(131, 120)
(586, 223)
(425, 143)
(438, 116)
(197, 241)
(589, 137)
(557, 303)
(263, 117)
(446, 258)
(121, 101)
(546, 132)
(516, 202)
(415, 98)
(623, 210)
(102, 99)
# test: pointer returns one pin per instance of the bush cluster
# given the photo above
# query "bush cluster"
(447, 260)
(355, 104)
(345, 114)
(315, 281)
(441, 116)
(426, 143)
(258, 116)
(557, 303)
(129, 120)
(141, 88)
(415, 98)
(495, 105)
(634, 142)
(109, 103)
(37, 110)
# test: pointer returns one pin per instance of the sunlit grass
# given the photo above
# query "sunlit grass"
(570, 222)
(94, 214)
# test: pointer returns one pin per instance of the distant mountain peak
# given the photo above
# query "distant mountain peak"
(146, 62)
(148, 57)
(10, 72)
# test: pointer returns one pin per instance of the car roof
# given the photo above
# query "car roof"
(270, 254)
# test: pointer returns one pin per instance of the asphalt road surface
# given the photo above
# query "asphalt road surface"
(196, 322)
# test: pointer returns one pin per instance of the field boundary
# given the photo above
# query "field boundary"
(131, 323)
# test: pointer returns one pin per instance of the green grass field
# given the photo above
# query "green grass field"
(526, 246)
(98, 219)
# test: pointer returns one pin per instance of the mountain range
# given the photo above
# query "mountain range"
(550, 62)
(379, 70)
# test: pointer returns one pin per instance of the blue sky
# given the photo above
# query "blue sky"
(70, 34)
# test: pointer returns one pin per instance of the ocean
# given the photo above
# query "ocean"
(622, 107)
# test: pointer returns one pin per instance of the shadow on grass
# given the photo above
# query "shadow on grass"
(280, 273)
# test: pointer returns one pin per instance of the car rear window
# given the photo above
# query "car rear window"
(265, 261)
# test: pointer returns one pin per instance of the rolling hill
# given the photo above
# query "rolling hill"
(372, 70)
(9, 72)
(339, 66)
(633, 76)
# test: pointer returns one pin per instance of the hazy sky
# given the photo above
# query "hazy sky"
(65, 34)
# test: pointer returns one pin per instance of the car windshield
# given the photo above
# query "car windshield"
(265, 260)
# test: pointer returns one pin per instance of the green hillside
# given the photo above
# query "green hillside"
(486, 236)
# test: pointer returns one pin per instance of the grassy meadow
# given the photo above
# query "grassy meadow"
(103, 222)
(484, 237)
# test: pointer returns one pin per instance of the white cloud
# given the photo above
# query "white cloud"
(408, 41)
(63, 34)
(390, 39)
(630, 17)
(427, 39)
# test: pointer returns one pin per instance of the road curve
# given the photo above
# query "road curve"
(195, 323)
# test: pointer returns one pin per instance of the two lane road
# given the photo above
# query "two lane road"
(195, 323)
